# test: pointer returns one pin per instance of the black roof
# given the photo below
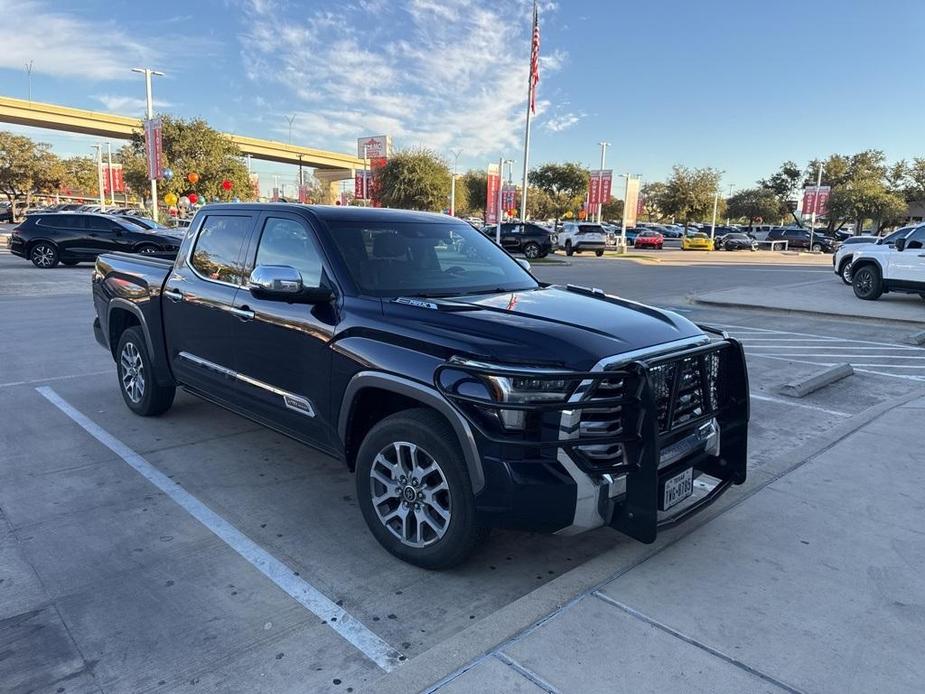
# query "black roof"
(339, 213)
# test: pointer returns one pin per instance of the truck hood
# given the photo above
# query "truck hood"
(558, 326)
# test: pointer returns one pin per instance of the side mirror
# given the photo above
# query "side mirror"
(525, 264)
(900, 244)
(284, 283)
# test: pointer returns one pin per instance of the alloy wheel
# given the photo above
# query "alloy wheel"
(133, 372)
(864, 281)
(43, 255)
(532, 251)
(410, 494)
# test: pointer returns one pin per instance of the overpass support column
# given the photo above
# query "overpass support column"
(330, 182)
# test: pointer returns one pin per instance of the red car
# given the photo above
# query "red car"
(649, 239)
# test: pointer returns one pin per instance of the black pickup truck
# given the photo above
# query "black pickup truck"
(462, 392)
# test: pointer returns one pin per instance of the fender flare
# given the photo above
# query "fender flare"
(867, 260)
(426, 396)
(161, 370)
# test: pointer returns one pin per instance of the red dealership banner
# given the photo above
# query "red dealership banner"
(599, 187)
(118, 179)
(491, 194)
(816, 200)
(153, 147)
(508, 197)
(606, 182)
(641, 205)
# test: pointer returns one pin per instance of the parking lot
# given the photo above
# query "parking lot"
(201, 552)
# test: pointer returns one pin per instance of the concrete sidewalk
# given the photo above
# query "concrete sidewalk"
(829, 296)
(813, 581)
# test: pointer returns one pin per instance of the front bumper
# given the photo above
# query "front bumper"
(17, 246)
(561, 465)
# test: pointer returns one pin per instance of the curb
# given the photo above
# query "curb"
(693, 298)
(446, 660)
(821, 379)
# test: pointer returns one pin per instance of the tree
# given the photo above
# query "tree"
(689, 193)
(415, 179)
(80, 176)
(462, 197)
(190, 146)
(863, 199)
(475, 181)
(653, 200)
(754, 205)
(612, 210)
(564, 184)
(27, 167)
(785, 183)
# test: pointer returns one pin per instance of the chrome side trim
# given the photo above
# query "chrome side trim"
(588, 490)
(292, 401)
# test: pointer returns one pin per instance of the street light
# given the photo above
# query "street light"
(149, 111)
(456, 152)
(290, 119)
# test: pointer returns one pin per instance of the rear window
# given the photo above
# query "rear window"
(590, 229)
(217, 254)
(62, 221)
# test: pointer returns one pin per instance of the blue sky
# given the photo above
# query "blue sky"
(734, 84)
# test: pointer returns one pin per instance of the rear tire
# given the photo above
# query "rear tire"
(867, 283)
(598, 253)
(44, 255)
(410, 469)
(532, 251)
(817, 248)
(142, 395)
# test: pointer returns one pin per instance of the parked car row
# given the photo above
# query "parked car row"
(73, 237)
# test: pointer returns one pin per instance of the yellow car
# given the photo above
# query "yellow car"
(696, 242)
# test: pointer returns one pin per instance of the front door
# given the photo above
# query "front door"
(283, 350)
(104, 236)
(907, 267)
(198, 304)
(512, 237)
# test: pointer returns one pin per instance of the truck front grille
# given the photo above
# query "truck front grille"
(684, 390)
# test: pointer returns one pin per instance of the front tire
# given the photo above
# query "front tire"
(44, 255)
(568, 248)
(532, 251)
(845, 273)
(142, 395)
(414, 490)
(867, 283)
(817, 248)
(598, 253)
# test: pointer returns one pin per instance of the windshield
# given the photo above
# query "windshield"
(425, 259)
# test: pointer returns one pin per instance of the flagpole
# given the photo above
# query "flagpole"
(530, 88)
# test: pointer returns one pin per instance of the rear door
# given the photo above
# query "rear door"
(282, 351)
(198, 304)
(68, 231)
(512, 237)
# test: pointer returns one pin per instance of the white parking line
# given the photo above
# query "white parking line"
(804, 405)
(351, 629)
(53, 378)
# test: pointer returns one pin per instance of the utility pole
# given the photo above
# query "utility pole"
(99, 172)
(456, 153)
(29, 79)
(149, 99)
(112, 187)
(600, 205)
(812, 223)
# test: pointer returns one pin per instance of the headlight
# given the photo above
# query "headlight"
(526, 389)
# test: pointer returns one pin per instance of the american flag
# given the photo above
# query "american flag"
(534, 59)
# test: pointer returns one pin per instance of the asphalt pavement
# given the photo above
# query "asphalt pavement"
(112, 580)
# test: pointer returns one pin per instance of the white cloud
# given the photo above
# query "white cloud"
(438, 73)
(64, 45)
(563, 121)
(128, 105)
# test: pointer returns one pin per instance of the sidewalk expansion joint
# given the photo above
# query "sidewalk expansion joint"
(697, 644)
(526, 672)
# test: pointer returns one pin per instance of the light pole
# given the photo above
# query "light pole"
(600, 205)
(149, 102)
(731, 188)
(29, 79)
(290, 119)
(715, 204)
(456, 152)
(812, 223)
(626, 194)
(501, 162)
(99, 172)
(112, 188)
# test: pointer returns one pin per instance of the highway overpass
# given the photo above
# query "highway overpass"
(330, 167)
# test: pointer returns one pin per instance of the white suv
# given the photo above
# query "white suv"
(850, 247)
(576, 237)
(898, 268)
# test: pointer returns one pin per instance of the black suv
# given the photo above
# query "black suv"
(800, 238)
(49, 238)
(516, 237)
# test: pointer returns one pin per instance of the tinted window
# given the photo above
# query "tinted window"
(287, 242)
(95, 223)
(62, 221)
(425, 259)
(590, 229)
(217, 253)
(916, 239)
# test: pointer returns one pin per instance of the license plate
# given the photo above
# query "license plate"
(677, 489)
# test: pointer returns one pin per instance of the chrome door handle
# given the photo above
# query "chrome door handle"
(174, 295)
(244, 313)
